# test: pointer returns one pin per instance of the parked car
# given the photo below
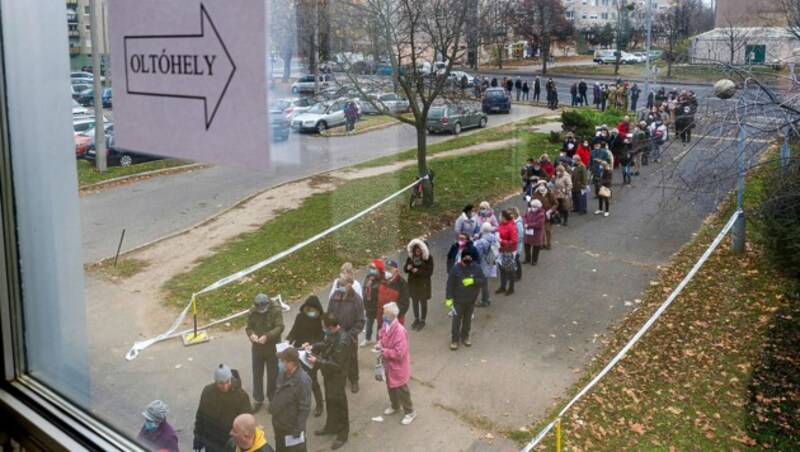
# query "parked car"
(392, 102)
(320, 117)
(82, 81)
(333, 93)
(78, 109)
(279, 125)
(81, 144)
(363, 67)
(305, 84)
(496, 99)
(293, 107)
(81, 124)
(456, 76)
(609, 56)
(86, 98)
(118, 156)
(454, 118)
(81, 74)
(78, 89)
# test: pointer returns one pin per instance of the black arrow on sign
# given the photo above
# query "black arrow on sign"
(192, 66)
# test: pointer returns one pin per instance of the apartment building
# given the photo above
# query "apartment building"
(588, 13)
(80, 33)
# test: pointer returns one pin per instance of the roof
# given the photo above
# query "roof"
(744, 32)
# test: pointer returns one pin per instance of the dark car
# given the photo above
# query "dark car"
(496, 99)
(279, 125)
(86, 98)
(116, 155)
(454, 118)
(363, 67)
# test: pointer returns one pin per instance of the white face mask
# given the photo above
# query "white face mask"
(542, 189)
(388, 275)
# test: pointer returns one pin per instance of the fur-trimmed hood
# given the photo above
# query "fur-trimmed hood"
(421, 245)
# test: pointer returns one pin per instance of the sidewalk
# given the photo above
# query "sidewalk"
(528, 348)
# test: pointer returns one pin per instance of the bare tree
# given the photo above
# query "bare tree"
(539, 21)
(735, 39)
(791, 8)
(495, 24)
(283, 32)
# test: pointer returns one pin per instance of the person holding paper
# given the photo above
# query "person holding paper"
(264, 328)
(291, 403)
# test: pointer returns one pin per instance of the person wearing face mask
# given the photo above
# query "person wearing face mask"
(486, 215)
(487, 243)
(291, 404)
(579, 182)
(549, 204)
(332, 358)
(264, 328)
(533, 222)
(584, 151)
(393, 288)
(467, 222)
(508, 260)
(396, 354)
(463, 285)
(463, 245)
(419, 268)
(220, 403)
(520, 241)
(348, 306)
(346, 270)
(307, 329)
(372, 284)
(599, 156)
(547, 166)
(562, 186)
(156, 433)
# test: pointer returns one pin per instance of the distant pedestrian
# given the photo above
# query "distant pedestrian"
(463, 284)
(332, 357)
(596, 94)
(396, 356)
(635, 91)
(562, 187)
(467, 222)
(518, 87)
(372, 284)
(549, 206)
(308, 329)
(494, 82)
(246, 435)
(264, 329)
(525, 90)
(487, 244)
(582, 88)
(520, 245)
(156, 433)
(537, 89)
(393, 288)
(573, 92)
(419, 267)
(351, 113)
(486, 215)
(509, 86)
(346, 270)
(603, 97)
(292, 402)
(220, 403)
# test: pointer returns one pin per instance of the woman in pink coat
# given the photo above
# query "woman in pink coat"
(393, 346)
(533, 237)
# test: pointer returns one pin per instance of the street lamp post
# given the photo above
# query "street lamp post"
(738, 237)
(99, 126)
(647, 49)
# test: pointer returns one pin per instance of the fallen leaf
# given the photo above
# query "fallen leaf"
(638, 428)
(675, 411)
(489, 436)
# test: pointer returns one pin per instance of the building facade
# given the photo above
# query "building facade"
(80, 33)
(748, 13)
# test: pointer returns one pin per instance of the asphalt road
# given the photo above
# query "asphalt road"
(154, 208)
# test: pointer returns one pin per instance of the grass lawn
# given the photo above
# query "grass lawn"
(494, 174)
(689, 383)
(366, 122)
(692, 72)
(88, 175)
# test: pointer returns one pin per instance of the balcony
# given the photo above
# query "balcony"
(72, 2)
(74, 49)
(74, 33)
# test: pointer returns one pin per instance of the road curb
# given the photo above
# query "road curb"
(146, 175)
(363, 131)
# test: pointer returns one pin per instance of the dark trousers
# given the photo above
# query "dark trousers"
(603, 105)
(337, 414)
(602, 203)
(518, 271)
(315, 388)
(352, 371)
(562, 209)
(420, 307)
(536, 94)
(368, 328)
(686, 135)
(584, 100)
(507, 277)
(462, 321)
(634, 100)
(280, 442)
(532, 253)
(400, 398)
(579, 201)
(264, 356)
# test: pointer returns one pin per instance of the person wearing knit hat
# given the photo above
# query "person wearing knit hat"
(562, 188)
(220, 403)
(156, 433)
(264, 329)
(534, 223)
(371, 287)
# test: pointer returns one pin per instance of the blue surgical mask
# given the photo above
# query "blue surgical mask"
(373, 271)
(312, 314)
(341, 289)
(281, 366)
(327, 333)
(386, 319)
(483, 212)
(150, 426)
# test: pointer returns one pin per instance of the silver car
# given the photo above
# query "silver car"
(305, 84)
(320, 117)
(391, 102)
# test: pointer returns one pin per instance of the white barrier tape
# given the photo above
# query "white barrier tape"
(672, 296)
(137, 347)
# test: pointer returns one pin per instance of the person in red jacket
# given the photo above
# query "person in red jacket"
(508, 250)
(584, 151)
(393, 288)
(547, 166)
(624, 127)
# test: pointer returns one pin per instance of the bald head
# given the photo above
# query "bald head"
(244, 430)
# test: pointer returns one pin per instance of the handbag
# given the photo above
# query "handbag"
(380, 372)
(507, 262)
(604, 192)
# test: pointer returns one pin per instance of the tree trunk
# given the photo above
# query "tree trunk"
(545, 57)
(422, 162)
(499, 56)
(287, 66)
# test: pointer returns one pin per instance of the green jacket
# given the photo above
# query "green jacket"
(269, 323)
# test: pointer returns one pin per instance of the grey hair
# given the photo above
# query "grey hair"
(391, 308)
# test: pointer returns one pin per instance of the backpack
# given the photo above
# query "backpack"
(508, 264)
(493, 253)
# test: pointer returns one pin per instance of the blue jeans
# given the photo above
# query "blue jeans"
(368, 328)
(264, 355)
(626, 171)
(485, 291)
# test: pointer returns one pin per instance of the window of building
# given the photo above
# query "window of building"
(87, 27)
(604, 15)
(604, 2)
(583, 16)
(86, 10)
(593, 16)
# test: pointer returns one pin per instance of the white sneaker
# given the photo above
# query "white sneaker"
(389, 411)
(598, 212)
(605, 214)
(364, 343)
(409, 418)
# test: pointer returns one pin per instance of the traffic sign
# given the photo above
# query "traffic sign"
(190, 79)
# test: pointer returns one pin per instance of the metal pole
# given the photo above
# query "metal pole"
(647, 49)
(738, 237)
(119, 247)
(99, 127)
(315, 55)
(785, 152)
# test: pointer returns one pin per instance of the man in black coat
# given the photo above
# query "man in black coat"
(332, 357)
(635, 91)
(537, 89)
(518, 86)
(220, 403)
(584, 100)
(292, 402)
